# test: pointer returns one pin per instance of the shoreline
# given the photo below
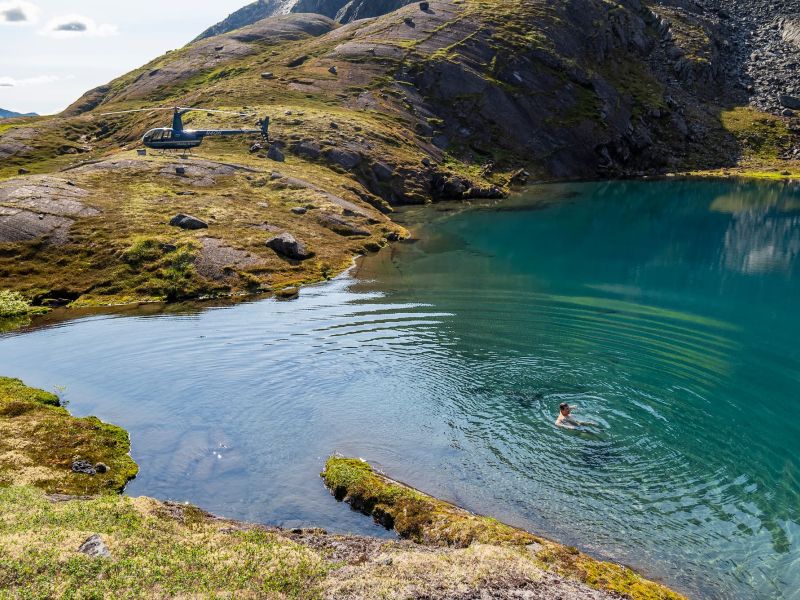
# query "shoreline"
(36, 479)
(290, 290)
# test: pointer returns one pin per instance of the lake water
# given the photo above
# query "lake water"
(668, 311)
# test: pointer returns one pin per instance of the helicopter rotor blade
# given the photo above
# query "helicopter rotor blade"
(215, 110)
(137, 110)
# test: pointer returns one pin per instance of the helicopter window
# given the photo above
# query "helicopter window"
(157, 136)
(167, 135)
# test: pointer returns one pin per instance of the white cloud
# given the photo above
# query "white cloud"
(18, 13)
(72, 26)
(40, 80)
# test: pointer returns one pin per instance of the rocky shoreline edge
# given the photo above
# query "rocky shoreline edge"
(66, 530)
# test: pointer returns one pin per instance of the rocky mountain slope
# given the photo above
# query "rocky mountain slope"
(757, 46)
(342, 11)
(462, 99)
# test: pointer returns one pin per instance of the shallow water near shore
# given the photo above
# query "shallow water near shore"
(667, 310)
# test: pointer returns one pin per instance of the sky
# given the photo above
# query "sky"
(52, 51)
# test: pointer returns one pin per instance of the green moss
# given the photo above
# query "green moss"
(13, 390)
(13, 304)
(39, 440)
(411, 513)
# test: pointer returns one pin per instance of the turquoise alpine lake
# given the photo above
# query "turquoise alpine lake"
(668, 311)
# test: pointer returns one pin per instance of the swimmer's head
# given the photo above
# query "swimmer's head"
(564, 408)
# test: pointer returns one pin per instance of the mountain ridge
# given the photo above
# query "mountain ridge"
(10, 114)
(343, 11)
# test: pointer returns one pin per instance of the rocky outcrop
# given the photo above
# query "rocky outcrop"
(95, 547)
(219, 261)
(187, 222)
(790, 30)
(344, 11)
(341, 225)
(287, 245)
(41, 206)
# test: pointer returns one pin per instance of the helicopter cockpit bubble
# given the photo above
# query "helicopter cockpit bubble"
(157, 135)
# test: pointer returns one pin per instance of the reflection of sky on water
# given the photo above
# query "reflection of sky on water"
(762, 241)
(764, 233)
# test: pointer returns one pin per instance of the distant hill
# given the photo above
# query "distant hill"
(7, 114)
(343, 11)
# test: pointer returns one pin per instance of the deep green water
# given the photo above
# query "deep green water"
(668, 311)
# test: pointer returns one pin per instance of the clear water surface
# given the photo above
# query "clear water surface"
(668, 311)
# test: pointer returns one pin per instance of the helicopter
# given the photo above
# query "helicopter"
(178, 138)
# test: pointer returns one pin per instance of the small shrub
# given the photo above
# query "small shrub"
(142, 251)
(12, 304)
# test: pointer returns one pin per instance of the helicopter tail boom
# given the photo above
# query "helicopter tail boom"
(264, 131)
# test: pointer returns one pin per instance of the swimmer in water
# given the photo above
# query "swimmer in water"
(565, 420)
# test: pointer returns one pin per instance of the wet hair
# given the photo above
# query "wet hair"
(563, 405)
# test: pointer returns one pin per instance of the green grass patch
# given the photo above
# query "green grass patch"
(761, 136)
(39, 440)
(157, 551)
(13, 304)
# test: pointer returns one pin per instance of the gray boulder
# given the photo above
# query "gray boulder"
(306, 149)
(83, 466)
(790, 102)
(344, 158)
(275, 153)
(95, 547)
(382, 171)
(187, 222)
(287, 245)
(341, 226)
